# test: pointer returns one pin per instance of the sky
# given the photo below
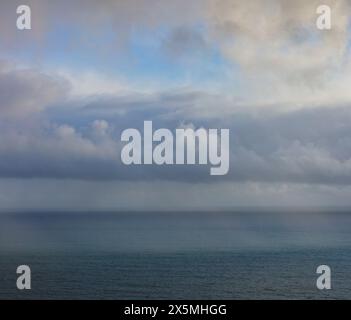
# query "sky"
(88, 69)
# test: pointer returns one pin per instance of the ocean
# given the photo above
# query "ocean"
(176, 255)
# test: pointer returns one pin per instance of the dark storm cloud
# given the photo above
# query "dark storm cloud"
(306, 146)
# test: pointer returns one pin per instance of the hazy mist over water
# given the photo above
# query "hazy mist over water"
(172, 231)
(180, 255)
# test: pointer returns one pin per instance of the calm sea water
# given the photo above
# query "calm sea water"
(174, 255)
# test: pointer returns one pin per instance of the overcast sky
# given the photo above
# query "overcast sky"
(90, 69)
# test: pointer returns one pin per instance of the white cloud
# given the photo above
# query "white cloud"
(287, 62)
(24, 91)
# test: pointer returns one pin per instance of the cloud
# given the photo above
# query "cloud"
(288, 63)
(90, 19)
(281, 36)
(185, 44)
(283, 92)
(284, 63)
(25, 91)
(295, 147)
(74, 138)
(58, 151)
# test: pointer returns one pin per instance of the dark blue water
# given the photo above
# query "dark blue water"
(217, 255)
